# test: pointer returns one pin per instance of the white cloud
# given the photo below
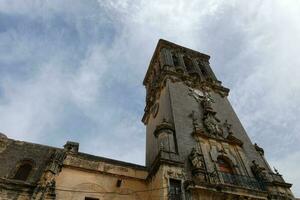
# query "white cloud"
(93, 57)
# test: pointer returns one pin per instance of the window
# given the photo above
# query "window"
(175, 190)
(224, 166)
(90, 198)
(23, 172)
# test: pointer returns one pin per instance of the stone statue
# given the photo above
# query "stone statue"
(259, 172)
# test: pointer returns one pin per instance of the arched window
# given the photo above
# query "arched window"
(224, 165)
(23, 171)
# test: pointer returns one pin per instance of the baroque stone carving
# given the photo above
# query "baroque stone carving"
(212, 126)
(46, 184)
(198, 164)
(259, 172)
(210, 121)
(207, 102)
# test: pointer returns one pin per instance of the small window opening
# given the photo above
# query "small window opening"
(90, 198)
(175, 192)
(224, 166)
(23, 172)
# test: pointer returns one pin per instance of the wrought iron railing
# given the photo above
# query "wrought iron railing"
(240, 180)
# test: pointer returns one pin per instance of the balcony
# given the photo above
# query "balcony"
(240, 181)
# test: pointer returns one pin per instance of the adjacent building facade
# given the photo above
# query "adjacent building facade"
(196, 148)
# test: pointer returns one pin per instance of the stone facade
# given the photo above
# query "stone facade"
(196, 148)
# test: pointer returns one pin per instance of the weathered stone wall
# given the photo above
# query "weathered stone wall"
(163, 112)
(12, 154)
(90, 176)
(17, 151)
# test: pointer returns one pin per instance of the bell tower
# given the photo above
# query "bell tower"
(193, 135)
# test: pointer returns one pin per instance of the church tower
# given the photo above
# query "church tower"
(194, 140)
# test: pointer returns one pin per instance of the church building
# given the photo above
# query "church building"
(196, 148)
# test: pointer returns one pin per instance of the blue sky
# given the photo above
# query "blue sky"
(73, 70)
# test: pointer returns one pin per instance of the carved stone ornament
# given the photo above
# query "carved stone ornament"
(197, 94)
(56, 162)
(259, 172)
(211, 123)
(207, 102)
(197, 159)
(175, 173)
(198, 165)
(46, 184)
(213, 128)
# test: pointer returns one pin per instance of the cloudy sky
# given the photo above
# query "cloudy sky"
(73, 70)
